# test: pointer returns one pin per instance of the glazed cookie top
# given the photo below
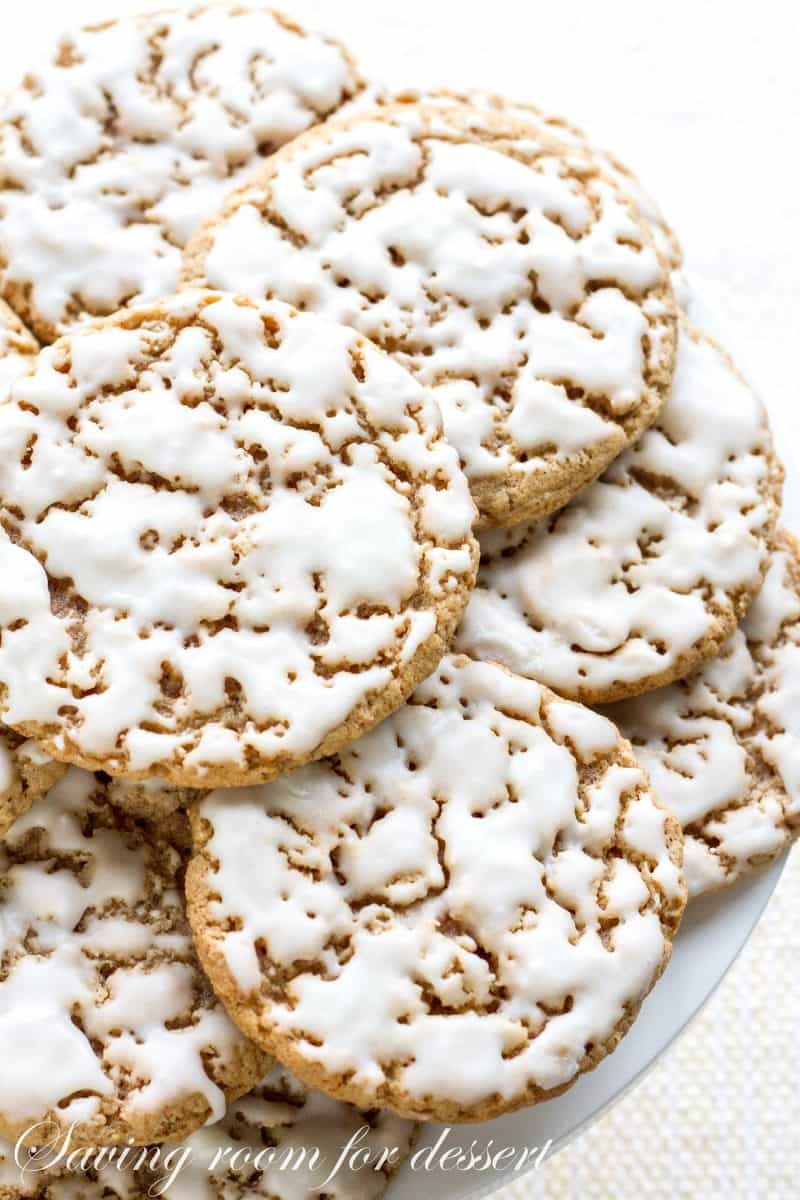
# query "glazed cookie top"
(664, 238)
(447, 944)
(723, 748)
(514, 280)
(26, 773)
(105, 1017)
(645, 575)
(117, 149)
(18, 348)
(237, 536)
(256, 1150)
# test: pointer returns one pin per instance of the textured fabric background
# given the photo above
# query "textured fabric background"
(716, 1118)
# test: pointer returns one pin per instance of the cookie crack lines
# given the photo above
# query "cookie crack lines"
(18, 348)
(720, 746)
(646, 573)
(193, 608)
(114, 152)
(101, 982)
(448, 896)
(476, 104)
(423, 228)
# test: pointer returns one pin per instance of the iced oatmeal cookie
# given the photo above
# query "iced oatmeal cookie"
(512, 277)
(237, 539)
(455, 916)
(283, 1141)
(644, 576)
(115, 151)
(722, 748)
(109, 1028)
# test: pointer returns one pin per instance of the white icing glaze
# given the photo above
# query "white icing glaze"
(501, 277)
(723, 748)
(18, 348)
(491, 103)
(254, 497)
(469, 927)
(635, 572)
(116, 150)
(103, 1009)
(24, 1178)
(283, 1140)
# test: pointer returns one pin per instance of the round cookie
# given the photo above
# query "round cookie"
(513, 278)
(282, 1141)
(238, 539)
(722, 748)
(26, 773)
(18, 348)
(116, 150)
(643, 577)
(109, 1028)
(523, 112)
(445, 943)
(30, 1180)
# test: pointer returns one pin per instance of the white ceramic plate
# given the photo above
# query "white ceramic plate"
(618, 78)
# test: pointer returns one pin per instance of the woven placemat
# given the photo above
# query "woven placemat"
(717, 1118)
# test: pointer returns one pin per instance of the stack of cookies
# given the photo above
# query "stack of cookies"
(394, 624)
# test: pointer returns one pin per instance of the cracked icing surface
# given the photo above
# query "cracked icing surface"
(643, 576)
(241, 1157)
(722, 748)
(114, 152)
(59, 1183)
(237, 535)
(105, 1016)
(664, 237)
(449, 945)
(18, 348)
(512, 277)
(26, 773)
(32, 1182)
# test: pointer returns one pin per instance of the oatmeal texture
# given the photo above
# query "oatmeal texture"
(31, 1182)
(526, 114)
(512, 277)
(722, 748)
(245, 1155)
(18, 348)
(444, 943)
(114, 152)
(237, 535)
(26, 774)
(646, 574)
(106, 1019)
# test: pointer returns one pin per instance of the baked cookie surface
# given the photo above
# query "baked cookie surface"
(18, 348)
(237, 535)
(283, 1140)
(109, 1028)
(645, 575)
(722, 748)
(513, 278)
(29, 1180)
(26, 773)
(523, 112)
(447, 943)
(115, 151)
